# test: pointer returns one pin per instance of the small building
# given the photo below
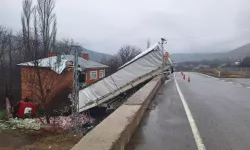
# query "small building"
(237, 63)
(56, 75)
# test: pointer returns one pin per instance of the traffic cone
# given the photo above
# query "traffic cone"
(189, 79)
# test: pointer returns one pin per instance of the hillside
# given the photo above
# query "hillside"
(238, 53)
(96, 56)
(186, 57)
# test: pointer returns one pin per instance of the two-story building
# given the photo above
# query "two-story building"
(56, 75)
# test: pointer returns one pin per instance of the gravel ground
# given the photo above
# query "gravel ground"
(36, 140)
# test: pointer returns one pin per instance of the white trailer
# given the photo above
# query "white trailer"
(144, 66)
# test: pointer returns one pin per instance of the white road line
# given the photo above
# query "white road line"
(191, 121)
(239, 85)
(208, 76)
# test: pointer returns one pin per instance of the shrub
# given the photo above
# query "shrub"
(2, 114)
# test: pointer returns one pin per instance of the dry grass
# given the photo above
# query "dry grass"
(225, 74)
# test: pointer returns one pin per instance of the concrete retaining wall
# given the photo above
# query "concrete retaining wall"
(115, 131)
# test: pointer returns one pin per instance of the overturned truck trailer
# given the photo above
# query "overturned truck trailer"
(144, 66)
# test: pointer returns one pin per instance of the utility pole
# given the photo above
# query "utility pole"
(75, 92)
(163, 41)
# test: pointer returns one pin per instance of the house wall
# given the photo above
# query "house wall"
(90, 81)
(50, 80)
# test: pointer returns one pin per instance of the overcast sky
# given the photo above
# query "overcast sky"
(106, 25)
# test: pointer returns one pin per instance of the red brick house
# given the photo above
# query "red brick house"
(57, 74)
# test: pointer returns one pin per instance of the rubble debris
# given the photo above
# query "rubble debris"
(20, 124)
(3, 126)
(59, 123)
(65, 122)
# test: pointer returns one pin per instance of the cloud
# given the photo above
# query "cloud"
(189, 26)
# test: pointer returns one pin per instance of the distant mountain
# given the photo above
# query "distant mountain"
(187, 57)
(96, 56)
(238, 53)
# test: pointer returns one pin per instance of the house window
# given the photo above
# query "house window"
(101, 73)
(82, 77)
(93, 75)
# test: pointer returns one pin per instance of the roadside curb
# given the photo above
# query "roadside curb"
(114, 132)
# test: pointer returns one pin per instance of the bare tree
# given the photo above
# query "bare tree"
(39, 39)
(66, 46)
(3, 42)
(8, 70)
(127, 52)
(4, 39)
(3, 45)
(26, 28)
(11, 56)
(47, 24)
(113, 63)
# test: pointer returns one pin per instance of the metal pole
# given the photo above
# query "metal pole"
(162, 46)
(75, 92)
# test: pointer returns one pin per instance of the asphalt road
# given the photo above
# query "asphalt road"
(220, 109)
(240, 82)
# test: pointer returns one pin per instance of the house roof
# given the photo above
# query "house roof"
(52, 63)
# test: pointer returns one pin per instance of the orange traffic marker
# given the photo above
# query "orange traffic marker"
(189, 79)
